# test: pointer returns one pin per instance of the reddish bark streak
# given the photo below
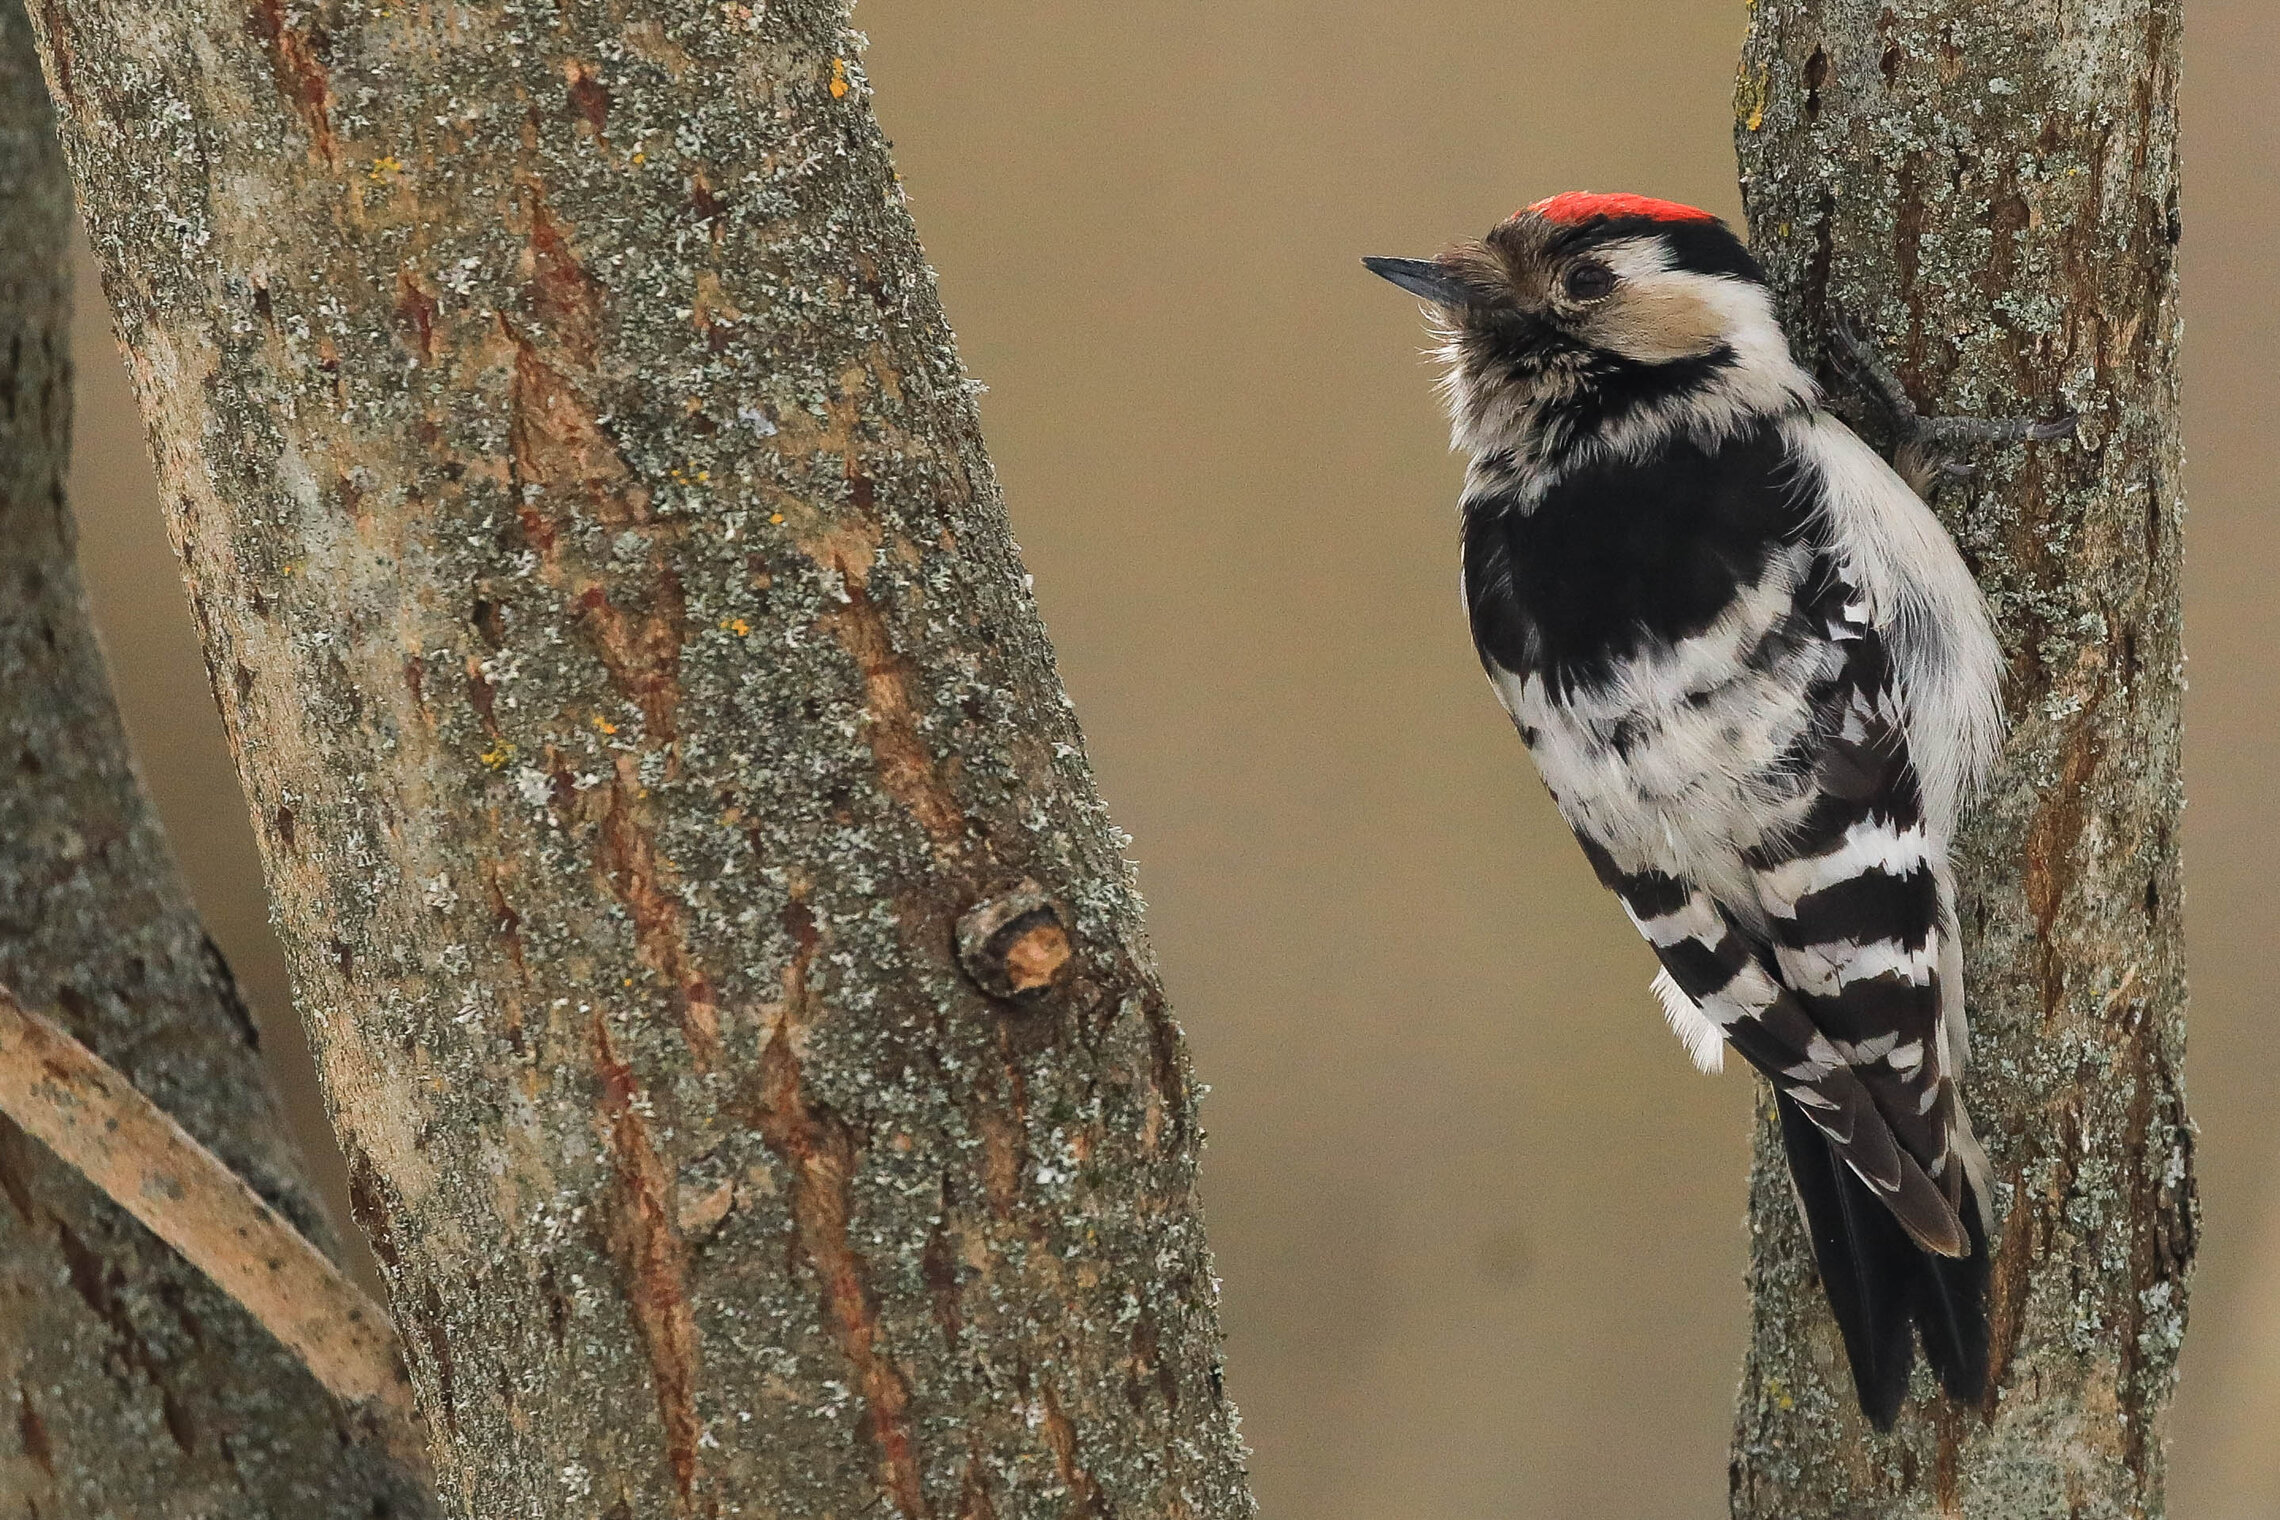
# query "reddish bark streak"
(566, 463)
(974, 1500)
(52, 19)
(303, 82)
(589, 97)
(564, 297)
(654, 1260)
(819, 1148)
(2050, 844)
(641, 650)
(561, 451)
(906, 765)
(627, 854)
(1061, 1434)
(416, 308)
(559, 447)
(32, 1430)
(2007, 1293)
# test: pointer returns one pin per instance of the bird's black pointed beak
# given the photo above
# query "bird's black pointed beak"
(1422, 277)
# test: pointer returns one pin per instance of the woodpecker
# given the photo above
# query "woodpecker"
(1760, 683)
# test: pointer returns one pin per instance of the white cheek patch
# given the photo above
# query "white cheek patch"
(1657, 315)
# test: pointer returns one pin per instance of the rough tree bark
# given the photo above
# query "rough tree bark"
(1990, 186)
(650, 734)
(129, 1384)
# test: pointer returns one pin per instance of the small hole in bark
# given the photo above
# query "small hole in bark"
(705, 202)
(490, 620)
(1816, 74)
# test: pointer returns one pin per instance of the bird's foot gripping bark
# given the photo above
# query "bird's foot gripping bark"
(1927, 451)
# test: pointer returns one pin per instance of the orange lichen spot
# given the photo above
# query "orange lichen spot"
(498, 755)
(737, 626)
(384, 167)
(604, 724)
(775, 517)
(838, 78)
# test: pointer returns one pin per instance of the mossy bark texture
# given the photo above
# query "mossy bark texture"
(655, 753)
(129, 1384)
(1990, 188)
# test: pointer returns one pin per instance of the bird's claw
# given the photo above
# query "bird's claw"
(1924, 449)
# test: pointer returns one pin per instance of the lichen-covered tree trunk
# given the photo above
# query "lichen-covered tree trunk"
(650, 735)
(1990, 188)
(129, 1384)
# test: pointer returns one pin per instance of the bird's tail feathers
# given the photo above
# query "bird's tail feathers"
(1882, 1286)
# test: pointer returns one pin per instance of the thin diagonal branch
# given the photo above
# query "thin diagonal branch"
(75, 1103)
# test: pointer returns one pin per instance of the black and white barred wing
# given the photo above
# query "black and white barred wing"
(1857, 904)
(1824, 966)
(1731, 977)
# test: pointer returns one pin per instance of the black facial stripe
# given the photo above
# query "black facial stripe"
(1616, 389)
(1703, 247)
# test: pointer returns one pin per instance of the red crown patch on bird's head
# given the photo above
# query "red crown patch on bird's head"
(1577, 206)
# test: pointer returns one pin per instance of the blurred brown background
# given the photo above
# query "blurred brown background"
(1479, 1221)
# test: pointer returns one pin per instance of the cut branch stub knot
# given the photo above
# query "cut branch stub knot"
(1016, 946)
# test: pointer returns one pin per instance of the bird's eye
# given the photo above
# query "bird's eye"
(1589, 282)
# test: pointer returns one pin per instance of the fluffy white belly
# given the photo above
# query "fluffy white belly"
(1691, 754)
